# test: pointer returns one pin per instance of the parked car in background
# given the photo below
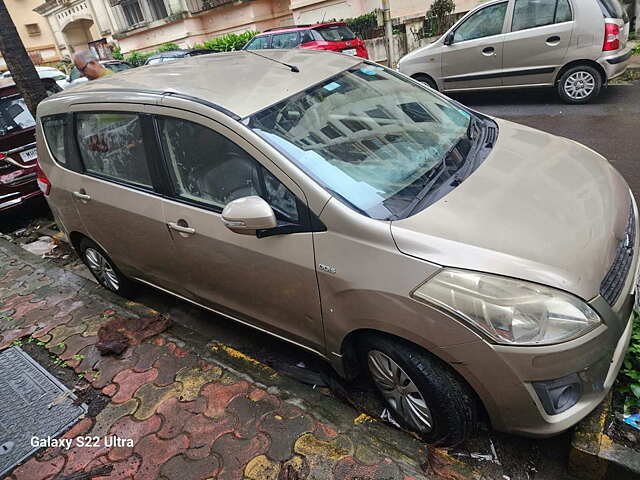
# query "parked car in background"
(48, 72)
(176, 54)
(334, 36)
(18, 145)
(459, 258)
(115, 66)
(575, 45)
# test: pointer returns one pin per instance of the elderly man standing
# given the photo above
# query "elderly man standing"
(89, 65)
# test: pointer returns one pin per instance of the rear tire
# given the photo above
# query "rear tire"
(580, 84)
(104, 270)
(427, 80)
(424, 395)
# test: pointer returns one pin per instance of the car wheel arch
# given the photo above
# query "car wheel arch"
(425, 78)
(351, 367)
(577, 63)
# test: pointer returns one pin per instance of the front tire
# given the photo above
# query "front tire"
(579, 85)
(424, 394)
(104, 270)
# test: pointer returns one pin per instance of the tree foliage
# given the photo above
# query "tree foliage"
(440, 16)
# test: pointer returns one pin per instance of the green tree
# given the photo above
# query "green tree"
(20, 65)
(440, 16)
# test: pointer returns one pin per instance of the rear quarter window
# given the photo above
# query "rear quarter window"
(54, 134)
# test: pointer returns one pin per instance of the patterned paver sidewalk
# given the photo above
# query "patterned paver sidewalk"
(188, 418)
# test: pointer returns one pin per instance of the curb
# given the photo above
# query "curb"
(594, 455)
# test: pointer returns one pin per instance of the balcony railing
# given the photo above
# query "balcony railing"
(197, 6)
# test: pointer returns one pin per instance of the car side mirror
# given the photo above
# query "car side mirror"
(448, 40)
(247, 215)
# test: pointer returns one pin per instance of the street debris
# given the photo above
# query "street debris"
(633, 420)
(386, 415)
(117, 334)
(42, 247)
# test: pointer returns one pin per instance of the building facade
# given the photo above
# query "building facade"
(144, 25)
(34, 32)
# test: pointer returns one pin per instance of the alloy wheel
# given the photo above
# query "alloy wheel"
(579, 85)
(400, 391)
(102, 269)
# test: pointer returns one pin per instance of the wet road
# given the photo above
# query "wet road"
(610, 125)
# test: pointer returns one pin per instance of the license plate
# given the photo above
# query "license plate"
(29, 155)
(349, 51)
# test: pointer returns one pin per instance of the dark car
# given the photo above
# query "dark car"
(176, 54)
(334, 36)
(17, 145)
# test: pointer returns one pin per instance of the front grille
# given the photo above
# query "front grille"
(613, 282)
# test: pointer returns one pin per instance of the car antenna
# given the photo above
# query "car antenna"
(292, 67)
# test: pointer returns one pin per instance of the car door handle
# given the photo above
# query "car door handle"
(488, 51)
(181, 228)
(82, 196)
(553, 41)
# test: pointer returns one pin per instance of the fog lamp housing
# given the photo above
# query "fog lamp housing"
(559, 395)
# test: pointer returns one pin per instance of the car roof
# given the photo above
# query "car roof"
(6, 82)
(241, 82)
(295, 28)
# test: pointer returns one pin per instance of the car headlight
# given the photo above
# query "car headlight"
(511, 312)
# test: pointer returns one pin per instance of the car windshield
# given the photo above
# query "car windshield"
(14, 115)
(336, 33)
(368, 135)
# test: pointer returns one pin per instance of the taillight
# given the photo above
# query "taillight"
(611, 37)
(43, 182)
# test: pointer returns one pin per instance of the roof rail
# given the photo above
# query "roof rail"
(286, 27)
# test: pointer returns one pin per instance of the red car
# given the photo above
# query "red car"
(18, 154)
(334, 36)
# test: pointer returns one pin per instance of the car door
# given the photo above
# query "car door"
(269, 282)
(538, 40)
(116, 192)
(473, 56)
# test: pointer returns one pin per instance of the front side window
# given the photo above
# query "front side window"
(537, 13)
(14, 115)
(484, 23)
(285, 40)
(54, 131)
(207, 167)
(258, 43)
(111, 146)
(373, 144)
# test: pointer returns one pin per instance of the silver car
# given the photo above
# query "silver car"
(463, 263)
(576, 46)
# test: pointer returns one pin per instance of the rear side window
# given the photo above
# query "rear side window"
(537, 13)
(111, 146)
(336, 33)
(54, 133)
(258, 43)
(613, 9)
(285, 40)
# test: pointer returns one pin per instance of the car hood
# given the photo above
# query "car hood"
(539, 208)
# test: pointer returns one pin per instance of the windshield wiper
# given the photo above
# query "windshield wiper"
(432, 177)
(475, 128)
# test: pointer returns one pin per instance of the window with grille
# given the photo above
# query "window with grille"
(132, 12)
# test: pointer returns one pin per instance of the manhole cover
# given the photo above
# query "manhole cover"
(26, 391)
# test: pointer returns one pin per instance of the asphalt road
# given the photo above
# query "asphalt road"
(610, 125)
